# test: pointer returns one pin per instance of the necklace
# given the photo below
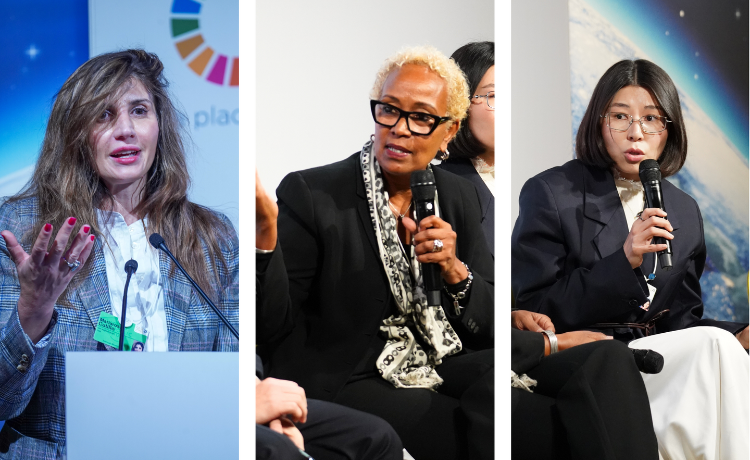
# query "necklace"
(393, 208)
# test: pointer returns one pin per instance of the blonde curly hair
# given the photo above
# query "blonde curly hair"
(446, 68)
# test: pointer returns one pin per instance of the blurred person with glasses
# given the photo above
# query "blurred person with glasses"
(583, 254)
(356, 328)
(471, 154)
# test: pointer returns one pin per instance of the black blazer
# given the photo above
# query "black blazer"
(338, 289)
(465, 168)
(568, 260)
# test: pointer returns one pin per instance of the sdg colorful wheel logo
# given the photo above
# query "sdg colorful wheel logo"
(186, 31)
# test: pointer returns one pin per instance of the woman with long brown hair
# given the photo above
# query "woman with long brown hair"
(111, 171)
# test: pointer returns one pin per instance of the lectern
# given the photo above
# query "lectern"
(143, 406)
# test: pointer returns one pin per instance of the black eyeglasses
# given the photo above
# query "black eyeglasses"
(419, 123)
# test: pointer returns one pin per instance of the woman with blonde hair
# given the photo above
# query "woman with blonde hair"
(358, 329)
(111, 171)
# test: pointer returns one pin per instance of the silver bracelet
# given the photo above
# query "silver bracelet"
(460, 295)
(552, 341)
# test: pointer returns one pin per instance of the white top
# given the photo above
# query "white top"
(486, 172)
(145, 291)
(631, 197)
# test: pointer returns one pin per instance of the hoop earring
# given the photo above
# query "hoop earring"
(443, 155)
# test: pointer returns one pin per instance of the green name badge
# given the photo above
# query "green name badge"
(108, 333)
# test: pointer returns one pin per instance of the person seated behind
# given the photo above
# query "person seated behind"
(471, 154)
(326, 430)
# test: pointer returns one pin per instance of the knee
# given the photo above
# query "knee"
(612, 353)
(384, 439)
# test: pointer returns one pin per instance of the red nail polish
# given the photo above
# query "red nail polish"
(86, 229)
(47, 227)
(92, 237)
(72, 221)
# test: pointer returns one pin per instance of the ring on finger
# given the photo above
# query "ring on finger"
(73, 266)
(437, 245)
(640, 216)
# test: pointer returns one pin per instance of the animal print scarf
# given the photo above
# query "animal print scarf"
(404, 362)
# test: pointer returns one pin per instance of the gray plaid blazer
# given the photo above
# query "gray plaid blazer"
(32, 401)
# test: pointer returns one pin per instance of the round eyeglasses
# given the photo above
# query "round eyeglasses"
(650, 124)
(420, 123)
(490, 97)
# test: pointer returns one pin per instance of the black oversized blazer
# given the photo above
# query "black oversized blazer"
(338, 289)
(465, 168)
(568, 260)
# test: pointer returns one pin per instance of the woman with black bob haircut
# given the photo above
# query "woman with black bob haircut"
(590, 147)
(583, 254)
(471, 154)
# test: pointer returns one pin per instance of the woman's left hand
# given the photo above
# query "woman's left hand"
(433, 228)
(743, 337)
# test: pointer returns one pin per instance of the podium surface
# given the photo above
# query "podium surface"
(146, 406)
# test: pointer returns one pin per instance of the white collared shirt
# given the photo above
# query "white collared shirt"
(145, 291)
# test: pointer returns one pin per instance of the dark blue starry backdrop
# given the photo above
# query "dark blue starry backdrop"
(41, 43)
(703, 46)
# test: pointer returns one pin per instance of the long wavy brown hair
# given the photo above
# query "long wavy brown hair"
(66, 182)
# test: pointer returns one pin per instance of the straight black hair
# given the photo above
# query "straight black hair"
(474, 59)
(590, 146)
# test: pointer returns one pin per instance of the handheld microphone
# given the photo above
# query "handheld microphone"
(648, 361)
(130, 267)
(423, 193)
(158, 242)
(651, 179)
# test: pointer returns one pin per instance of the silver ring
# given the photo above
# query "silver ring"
(640, 216)
(73, 266)
(437, 245)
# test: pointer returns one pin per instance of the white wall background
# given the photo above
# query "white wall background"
(213, 161)
(540, 71)
(313, 55)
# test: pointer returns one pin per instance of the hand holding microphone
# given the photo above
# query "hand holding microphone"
(651, 226)
(434, 239)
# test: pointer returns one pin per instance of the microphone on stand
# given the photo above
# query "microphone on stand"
(130, 267)
(423, 193)
(650, 175)
(158, 242)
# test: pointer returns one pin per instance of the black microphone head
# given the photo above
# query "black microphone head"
(131, 266)
(649, 171)
(156, 240)
(648, 361)
(423, 185)
(653, 362)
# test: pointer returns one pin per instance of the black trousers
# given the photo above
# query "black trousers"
(333, 432)
(590, 403)
(456, 422)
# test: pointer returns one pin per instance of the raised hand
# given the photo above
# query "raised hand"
(266, 215)
(650, 224)
(43, 275)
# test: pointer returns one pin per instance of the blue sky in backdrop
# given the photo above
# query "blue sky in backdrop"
(42, 43)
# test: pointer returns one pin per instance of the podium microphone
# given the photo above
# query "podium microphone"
(158, 242)
(423, 193)
(650, 175)
(130, 267)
